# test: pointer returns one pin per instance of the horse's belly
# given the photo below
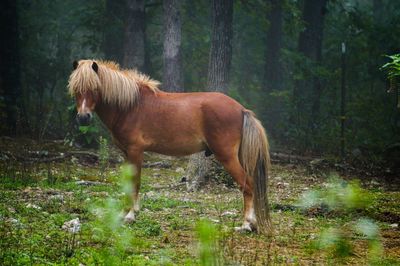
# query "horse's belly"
(178, 148)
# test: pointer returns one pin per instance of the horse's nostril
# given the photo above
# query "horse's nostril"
(83, 119)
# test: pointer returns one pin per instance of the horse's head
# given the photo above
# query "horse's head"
(85, 104)
(83, 84)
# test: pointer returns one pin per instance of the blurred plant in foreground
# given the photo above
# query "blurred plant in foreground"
(208, 244)
(346, 198)
(109, 227)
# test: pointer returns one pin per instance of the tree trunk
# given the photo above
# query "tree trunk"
(9, 67)
(377, 9)
(218, 77)
(272, 110)
(273, 66)
(112, 45)
(172, 74)
(219, 63)
(309, 89)
(134, 36)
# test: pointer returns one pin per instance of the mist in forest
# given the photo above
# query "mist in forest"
(309, 69)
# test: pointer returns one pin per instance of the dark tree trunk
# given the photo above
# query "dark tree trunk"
(273, 67)
(377, 9)
(221, 45)
(9, 67)
(172, 72)
(114, 30)
(199, 166)
(311, 38)
(134, 36)
(309, 90)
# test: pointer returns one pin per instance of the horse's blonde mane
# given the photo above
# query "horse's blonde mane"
(116, 86)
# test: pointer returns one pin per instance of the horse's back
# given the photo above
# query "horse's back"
(216, 110)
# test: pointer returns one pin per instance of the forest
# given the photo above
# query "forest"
(322, 76)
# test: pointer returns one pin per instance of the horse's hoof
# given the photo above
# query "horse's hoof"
(244, 228)
(129, 220)
(130, 217)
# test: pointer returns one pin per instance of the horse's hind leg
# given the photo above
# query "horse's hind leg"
(135, 157)
(235, 169)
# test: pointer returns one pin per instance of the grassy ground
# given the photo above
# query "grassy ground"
(36, 199)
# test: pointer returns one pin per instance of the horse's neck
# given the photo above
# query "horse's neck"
(111, 115)
(108, 114)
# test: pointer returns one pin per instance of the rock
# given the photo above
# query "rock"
(374, 183)
(356, 152)
(282, 184)
(89, 183)
(394, 225)
(316, 163)
(73, 226)
(14, 221)
(57, 197)
(180, 170)
(119, 159)
(228, 213)
(186, 199)
(33, 206)
(151, 194)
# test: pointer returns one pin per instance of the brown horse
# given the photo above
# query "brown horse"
(143, 118)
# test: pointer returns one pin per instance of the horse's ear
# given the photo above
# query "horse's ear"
(75, 64)
(95, 67)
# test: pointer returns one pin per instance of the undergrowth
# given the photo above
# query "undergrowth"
(335, 221)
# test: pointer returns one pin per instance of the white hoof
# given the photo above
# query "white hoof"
(246, 227)
(130, 217)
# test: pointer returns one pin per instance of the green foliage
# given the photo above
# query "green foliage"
(88, 133)
(392, 67)
(349, 198)
(110, 231)
(336, 242)
(118, 239)
(208, 248)
(393, 73)
(339, 194)
(90, 136)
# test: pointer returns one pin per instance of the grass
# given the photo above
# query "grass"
(173, 227)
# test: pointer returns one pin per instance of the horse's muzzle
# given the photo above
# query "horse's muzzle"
(84, 119)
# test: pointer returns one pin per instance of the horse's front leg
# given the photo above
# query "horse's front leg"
(135, 157)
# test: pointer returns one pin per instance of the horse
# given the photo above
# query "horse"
(141, 117)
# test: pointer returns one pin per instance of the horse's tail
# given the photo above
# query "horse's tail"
(254, 157)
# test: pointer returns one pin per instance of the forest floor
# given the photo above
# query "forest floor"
(40, 191)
